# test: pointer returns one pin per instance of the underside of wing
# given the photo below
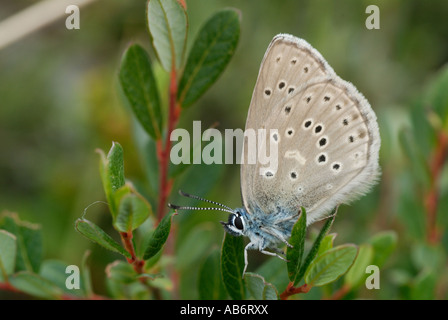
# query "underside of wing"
(288, 64)
(323, 129)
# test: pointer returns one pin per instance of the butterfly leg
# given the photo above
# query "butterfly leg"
(273, 233)
(332, 214)
(273, 254)
(250, 246)
(279, 251)
(288, 218)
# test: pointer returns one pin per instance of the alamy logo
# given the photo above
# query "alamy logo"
(373, 280)
(240, 147)
(73, 20)
(373, 20)
(73, 277)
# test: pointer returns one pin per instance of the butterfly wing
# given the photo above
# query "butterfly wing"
(327, 136)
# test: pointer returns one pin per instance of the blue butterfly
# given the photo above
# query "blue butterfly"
(328, 145)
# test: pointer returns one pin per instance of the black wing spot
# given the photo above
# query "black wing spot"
(322, 158)
(322, 142)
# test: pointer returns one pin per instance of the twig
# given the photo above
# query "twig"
(291, 290)
(341, 293)
(432, 195)
(183, 4)
(164, 151)
(6, 286)
(137, 264)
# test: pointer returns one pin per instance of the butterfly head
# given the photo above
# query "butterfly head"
(236, 225)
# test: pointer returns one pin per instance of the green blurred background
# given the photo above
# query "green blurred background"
(59, 101)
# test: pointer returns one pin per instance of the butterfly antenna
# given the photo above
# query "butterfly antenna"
(202, 199)
(224, 209)
(173, 206)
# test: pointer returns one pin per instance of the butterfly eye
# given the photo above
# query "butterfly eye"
(238, 223)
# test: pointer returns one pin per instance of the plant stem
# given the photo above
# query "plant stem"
(6, 286)
(432, 195)
(183, 4)
(291, 290)
(341, 293)
(164, 151)
(137, 264)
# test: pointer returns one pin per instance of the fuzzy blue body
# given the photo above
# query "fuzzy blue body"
(267, 230)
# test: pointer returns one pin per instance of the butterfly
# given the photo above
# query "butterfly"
(328, 144)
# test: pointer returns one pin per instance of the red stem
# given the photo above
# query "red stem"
(432, 195)
(341, 293)
(6, 286)
(291, 290)
(163, 152)
(183, 4)
(137, 264)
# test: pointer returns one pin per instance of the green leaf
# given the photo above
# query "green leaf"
(424, 139)
(383, 244)
(146, 147)
(112, 174)
(86, 278)
(411, 209)
(194, 246)
(140, 88)
(159, 237)
(259, 288)
(142, 236)
(297, 240)
(8, 249)
(437, 97)
(315, 248)
(35, 285)
(415, 155)
(425, 255)
(167, 23)
(121, 272)
(133, 210)
(150, 276)
(95, 234)
(211, 52)
(29, 241)
(210, 285)
(357, 272)
(424, 285)
(232, 266)
(55, 272)
(273, 271)
(326, 244)
(331, 265)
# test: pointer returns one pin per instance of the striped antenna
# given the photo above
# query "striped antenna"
(224, 207)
